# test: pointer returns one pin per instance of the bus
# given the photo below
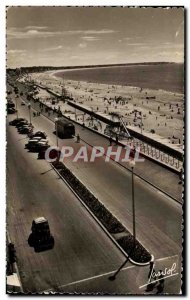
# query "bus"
(64, 128)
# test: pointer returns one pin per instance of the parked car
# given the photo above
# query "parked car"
(10, 104)
(25, 129)
(16, 121)
(23, 103)
(31, 143)
(42, 134)
(41, 237)
(39, 146)
(44, 141)
(36, 138)
(21, 123)
(11, 110)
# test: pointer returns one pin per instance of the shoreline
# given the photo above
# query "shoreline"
(161, 111)
(117, 85)
(144, 85)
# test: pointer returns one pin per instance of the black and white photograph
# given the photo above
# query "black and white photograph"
(95, 125)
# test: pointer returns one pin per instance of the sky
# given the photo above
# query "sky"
(71, 36)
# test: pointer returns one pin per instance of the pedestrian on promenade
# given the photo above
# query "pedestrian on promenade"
(110, 139)
(180, 176)
(78, 138)
(116, 139)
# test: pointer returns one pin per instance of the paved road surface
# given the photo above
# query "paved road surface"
(83, 257)
(81, 249)
(158, 218)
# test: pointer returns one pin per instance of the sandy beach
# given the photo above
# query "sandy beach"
(161, 111)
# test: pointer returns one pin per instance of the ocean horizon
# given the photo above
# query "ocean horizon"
(169, 77)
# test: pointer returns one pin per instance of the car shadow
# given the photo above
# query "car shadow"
(39, 248)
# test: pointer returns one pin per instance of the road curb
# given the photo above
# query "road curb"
(99, 223)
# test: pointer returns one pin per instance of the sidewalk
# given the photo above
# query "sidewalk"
(156, 174)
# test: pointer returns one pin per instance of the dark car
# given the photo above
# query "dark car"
(16, 121)
(31, 143)
(42, 134)
(21, 123)
(39, 146)
(41, 237)
(11, 110)
(25, 130)
(10, 104)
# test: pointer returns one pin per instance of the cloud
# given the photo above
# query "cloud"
(132, 38)
(103, 31)
(30, 33)
(90, 38)
(16, 51)
(36, 27)
(136, 44)
(52, 48)
(38, 32)
(82, 45)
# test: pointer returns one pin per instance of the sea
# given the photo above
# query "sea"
(169, 77)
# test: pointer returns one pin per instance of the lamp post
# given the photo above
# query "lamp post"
(141, 122)
(29, 109)
(56, 131)
(132, 164)
(16, 107)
